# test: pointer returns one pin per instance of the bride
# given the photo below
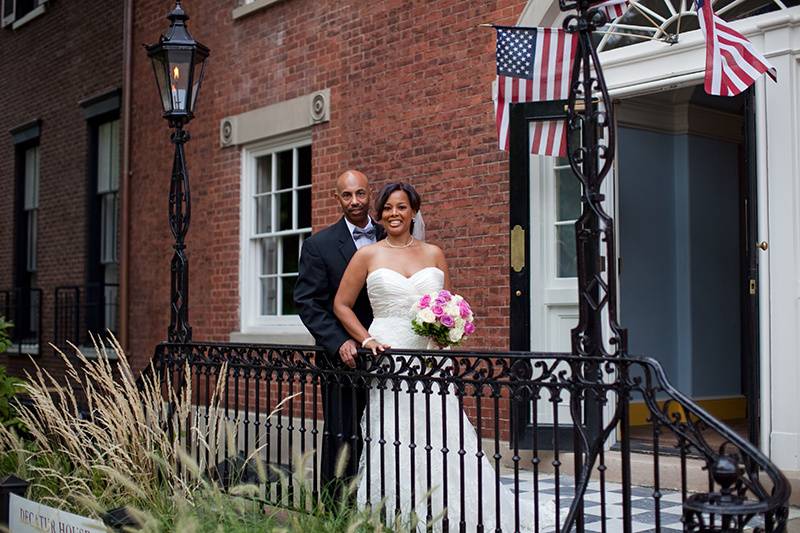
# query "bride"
(401, 428)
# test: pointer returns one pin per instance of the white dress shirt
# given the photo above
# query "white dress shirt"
(364, 241)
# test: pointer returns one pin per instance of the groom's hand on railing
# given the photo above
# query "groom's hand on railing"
(348, 352)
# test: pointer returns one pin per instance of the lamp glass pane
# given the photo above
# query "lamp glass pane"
(197, 78)
(180, 61)
(160, 69)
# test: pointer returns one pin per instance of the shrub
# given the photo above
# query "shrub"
(5, 336)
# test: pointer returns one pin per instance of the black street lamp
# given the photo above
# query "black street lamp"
(179, 64)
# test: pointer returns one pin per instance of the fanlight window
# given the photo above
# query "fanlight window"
(665, 20)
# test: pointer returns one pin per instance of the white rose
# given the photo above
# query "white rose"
(460, 323)
(455, 334)
(427, 316)
(452, 308)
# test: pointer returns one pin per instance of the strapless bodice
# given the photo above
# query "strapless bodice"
(392, 294)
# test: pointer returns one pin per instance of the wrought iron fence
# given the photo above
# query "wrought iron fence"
(81, 310)
(23, 307)
(553, 432)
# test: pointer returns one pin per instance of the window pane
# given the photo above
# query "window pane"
(108, 228)
(269, 295)
(32, 234)
(104, 157)
(114, 157)
(304, 208)
(264, 214)
(288, 295)
(304, 165)
(283, 206)
(32, 178)
(264, 174)
(568, 195)
(284, 174)
(567, 254)
(24, 7)
(291, 253)
(269, 257)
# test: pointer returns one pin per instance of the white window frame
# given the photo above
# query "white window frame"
(251, 321)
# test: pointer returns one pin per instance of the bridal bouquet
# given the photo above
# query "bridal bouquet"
(443, 317)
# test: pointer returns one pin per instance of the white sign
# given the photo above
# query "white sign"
(26, 516)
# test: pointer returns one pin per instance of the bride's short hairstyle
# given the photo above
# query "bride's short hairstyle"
(386, 191)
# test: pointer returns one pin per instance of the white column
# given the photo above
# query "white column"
(783, 176)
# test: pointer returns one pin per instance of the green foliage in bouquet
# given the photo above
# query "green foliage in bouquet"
(437, 332)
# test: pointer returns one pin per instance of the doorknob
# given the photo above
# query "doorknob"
(763, 245)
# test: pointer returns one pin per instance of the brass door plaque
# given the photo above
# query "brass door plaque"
(517, 248)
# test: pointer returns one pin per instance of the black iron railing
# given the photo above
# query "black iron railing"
(23, 308)
(524, 408)
(83, 310)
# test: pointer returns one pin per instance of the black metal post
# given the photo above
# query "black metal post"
(10, 485)
(180, 209)
(590, 113)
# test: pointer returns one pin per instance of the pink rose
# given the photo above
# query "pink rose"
(437, 309)
(425, 301)
(464, 309)
(445, 295)
(469, 328)
(447, 321)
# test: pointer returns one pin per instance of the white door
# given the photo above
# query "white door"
(555, 206)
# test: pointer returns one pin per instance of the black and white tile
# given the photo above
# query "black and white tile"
(642, 504)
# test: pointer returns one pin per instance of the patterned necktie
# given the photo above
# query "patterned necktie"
(364, 233)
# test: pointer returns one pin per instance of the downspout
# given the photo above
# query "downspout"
(125, 175)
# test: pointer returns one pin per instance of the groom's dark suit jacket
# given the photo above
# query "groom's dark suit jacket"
(323, 260)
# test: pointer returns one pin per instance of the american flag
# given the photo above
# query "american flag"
(732, 64)
(534, 65)
(613, 8)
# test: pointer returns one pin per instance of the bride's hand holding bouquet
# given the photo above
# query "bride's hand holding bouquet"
(443, 317)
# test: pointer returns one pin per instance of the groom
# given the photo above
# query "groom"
(323, 260)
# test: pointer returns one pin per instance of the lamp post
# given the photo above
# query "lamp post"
(179, 65)
(590, 112)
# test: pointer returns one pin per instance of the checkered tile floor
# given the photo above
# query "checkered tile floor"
(642, 505)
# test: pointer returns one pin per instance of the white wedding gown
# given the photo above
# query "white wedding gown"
(386, 423)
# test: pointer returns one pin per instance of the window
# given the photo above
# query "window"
(658, 19)
(106, 299)
(276, 218)
(17, 10)
(30, 206)
(107, 187)
(567, 202)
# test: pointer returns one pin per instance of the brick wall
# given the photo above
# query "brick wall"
(47, 67)
(410, 100)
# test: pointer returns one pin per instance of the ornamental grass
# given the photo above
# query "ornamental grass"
(98, 440)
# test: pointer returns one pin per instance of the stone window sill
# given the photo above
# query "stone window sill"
(247, 9)
(36, 12)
